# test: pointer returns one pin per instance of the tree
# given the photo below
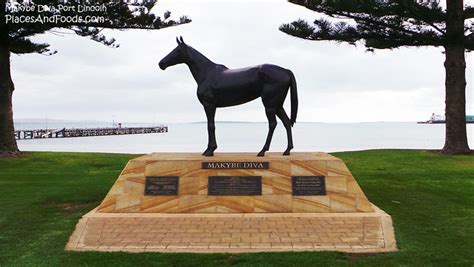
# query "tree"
(392, 24)
(23, 19)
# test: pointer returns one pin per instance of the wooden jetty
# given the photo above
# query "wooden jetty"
(82, 132)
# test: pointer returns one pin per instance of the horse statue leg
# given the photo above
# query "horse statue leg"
(272, 123)
(211, 131)
(287, 123)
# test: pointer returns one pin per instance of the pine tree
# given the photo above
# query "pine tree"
(389, 24)
(19, 24)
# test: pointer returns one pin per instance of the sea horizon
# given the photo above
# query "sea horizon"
(22, 121)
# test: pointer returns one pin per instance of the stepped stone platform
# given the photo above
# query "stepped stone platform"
(233, 203)
(234, 233)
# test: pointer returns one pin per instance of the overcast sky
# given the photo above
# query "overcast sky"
(336, 82)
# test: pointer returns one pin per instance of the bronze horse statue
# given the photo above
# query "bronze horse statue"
(219, 86)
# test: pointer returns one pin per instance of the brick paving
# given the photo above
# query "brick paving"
(207, 233)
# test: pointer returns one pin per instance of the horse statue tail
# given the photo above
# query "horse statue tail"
(294, 98)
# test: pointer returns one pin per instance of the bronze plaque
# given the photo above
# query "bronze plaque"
(235, 165)
(234, 186)
(161, 185)
(308, 185)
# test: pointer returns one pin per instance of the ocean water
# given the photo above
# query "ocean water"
(250, 137)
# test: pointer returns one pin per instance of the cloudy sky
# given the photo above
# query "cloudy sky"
(336, 82)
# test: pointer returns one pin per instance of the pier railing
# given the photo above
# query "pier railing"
(82, 132)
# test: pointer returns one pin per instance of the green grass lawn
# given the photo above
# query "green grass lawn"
(430, 198)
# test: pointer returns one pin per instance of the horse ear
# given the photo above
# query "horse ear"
(181, 39)
(177, 40)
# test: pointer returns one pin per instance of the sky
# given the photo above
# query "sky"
(86, 80)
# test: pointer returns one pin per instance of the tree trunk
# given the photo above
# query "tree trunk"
(455, 64)
(8, 144)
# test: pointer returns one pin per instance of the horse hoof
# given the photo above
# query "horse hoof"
(208, 153)
(286, 153)
(261, 154)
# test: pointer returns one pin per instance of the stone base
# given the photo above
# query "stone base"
(367, 232)
(342, 193)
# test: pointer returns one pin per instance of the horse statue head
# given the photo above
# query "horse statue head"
(177, 56)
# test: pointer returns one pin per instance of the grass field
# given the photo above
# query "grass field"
(430, 198)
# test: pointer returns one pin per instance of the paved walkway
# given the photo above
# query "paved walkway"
(234, 233)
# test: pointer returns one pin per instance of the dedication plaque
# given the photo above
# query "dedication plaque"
(308, 185)
(161, 185)
(235, 165)
(234, 186)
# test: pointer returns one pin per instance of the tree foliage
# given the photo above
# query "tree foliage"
(116, 15)
(379, 24)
